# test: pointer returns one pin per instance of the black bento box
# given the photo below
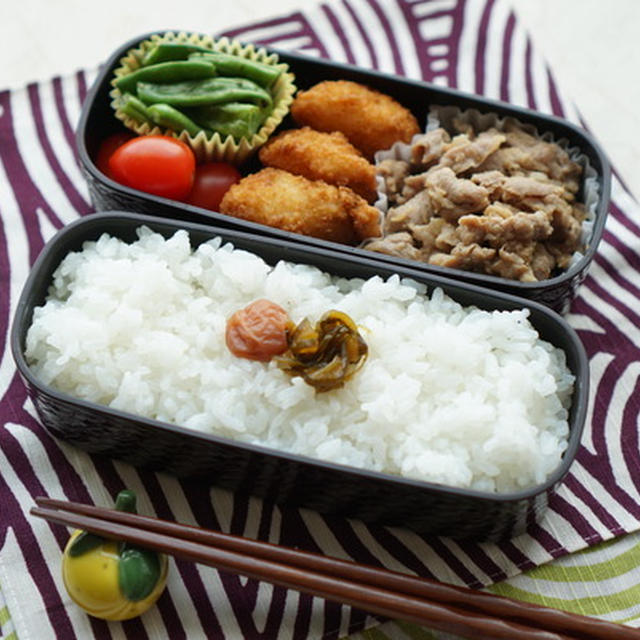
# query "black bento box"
(275, 476)
(98, 120)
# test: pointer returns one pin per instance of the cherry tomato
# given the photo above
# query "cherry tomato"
(160, 165)
(212, 181)
(108, 146)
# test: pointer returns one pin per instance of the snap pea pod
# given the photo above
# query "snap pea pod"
(239, 67)
(164, 72)
(135, 108)
(164, 51)
(193, 93)
(165, 115)
(237, 119)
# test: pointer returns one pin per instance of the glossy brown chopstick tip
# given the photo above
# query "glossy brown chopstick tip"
(392, 594)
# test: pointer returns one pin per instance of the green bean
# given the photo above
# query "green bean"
(237, 119)
(164, 51)
(179, 70)
(203, 92)
(165, 115)
(239, 67)
(135, 108)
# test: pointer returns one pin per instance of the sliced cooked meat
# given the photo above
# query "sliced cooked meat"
(513, 264)
(565, 240)
(451, 196)
(428, 148)
(492, 181)
(525, 192)
(394, 173)
(499, 224)
(530, 194)
(542, 262)
(472, 257)
(417, 210)
(396, 244)
(436, 235)
(464, 154)
(442, 193)
(501, 203)
(524, 152)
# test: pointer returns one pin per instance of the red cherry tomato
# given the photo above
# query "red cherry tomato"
(212, 181)
(108, 146)
(160, 165)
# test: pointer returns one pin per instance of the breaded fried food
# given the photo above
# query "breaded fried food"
(321, 156)
(281, 199)
(371, 120)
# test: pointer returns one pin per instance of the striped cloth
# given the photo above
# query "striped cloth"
(601, 581)
(475, 45)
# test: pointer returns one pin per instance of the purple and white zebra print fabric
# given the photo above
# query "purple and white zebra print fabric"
(476, 45)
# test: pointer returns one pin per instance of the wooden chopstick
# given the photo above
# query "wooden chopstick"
(383, 592)
(370, 598)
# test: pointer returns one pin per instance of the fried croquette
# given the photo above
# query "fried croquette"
(281, 199)
(371, 120)
(321, 156)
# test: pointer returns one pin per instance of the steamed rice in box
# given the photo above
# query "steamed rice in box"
(454, 395)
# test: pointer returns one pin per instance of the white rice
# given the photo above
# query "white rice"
(452, 395)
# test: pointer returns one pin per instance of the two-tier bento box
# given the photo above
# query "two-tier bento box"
(463, 406)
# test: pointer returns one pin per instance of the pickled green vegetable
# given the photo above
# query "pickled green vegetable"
(325, 355)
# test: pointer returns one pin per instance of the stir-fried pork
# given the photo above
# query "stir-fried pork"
(501, 203)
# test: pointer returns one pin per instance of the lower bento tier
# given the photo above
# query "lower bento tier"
(441, 393)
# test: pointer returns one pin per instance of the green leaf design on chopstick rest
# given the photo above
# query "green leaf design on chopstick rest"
(84, 543)
(138, 572)
(138, 569)
(126, 501)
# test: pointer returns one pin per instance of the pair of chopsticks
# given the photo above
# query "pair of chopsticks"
(458, 610)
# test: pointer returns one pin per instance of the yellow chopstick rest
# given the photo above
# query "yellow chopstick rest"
(113, 580)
